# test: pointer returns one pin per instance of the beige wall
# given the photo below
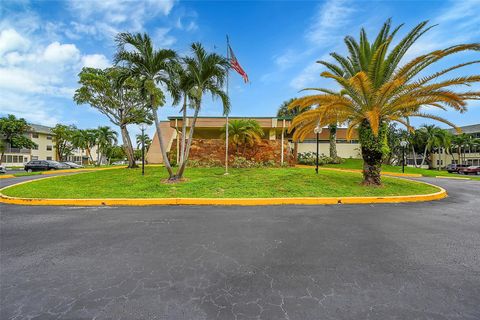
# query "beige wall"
(443, 159)
(344, 150)
(42, 142)
(154, 154)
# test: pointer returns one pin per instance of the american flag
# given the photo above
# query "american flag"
(236, 66)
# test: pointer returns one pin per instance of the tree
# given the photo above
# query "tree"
(243, 131)
(152, 67)
(85, 139)
(13, 132)
(118, 97)
(208, 72)
(145, 139)
(434, 138)
(105, 138)
(377, 90)
(115, 153)
(63, 140)
(285, 112)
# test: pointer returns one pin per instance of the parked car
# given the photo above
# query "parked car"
(44, 165)
(73, 165)
(451, 168)
(3, 169)
(470, 170)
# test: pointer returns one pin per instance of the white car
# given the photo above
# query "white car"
(73, 165)
(3, 169)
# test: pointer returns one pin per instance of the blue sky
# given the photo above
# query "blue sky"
(44, 44)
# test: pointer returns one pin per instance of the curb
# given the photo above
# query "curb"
(441, 194)
(7, 176)
(394, 174)
(455, 178)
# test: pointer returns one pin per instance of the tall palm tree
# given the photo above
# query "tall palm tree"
(243, 131)
(208, 72)
(152, 67)
(143, 139)
(85, 139)
(434, 138)
(106, 137)
(376, 90)
(181, 87)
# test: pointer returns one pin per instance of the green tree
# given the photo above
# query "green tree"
(85, 139)
(63, 140)
(145, 139)
(376, 89)
(243, 132)
(118, 97)
(13, 132)
(105, 138)
(208, 72)
(434, 137)
(152, 67)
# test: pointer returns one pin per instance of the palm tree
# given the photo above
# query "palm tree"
(85, 139)
(207, 73)
(377, 90)
(434, 137)
(286, 111)
(145, 139)
(243, 131)
(152, 67)
(106, 138)
(181, 86)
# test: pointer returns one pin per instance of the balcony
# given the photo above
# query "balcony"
(17, 150)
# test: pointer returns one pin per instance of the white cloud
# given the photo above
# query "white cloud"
(61, 53)
(332, 16)
(162, 38)
(105, 18)
(32, 108)
(11, 40)
(95, 61)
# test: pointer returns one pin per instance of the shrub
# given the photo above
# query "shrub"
(310, 158)
(210, 163)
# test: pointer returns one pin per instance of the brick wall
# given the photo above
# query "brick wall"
(207, 149)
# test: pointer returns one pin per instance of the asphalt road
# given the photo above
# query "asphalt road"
(399, 261)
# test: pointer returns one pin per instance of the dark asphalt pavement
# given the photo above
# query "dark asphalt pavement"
(398, 261)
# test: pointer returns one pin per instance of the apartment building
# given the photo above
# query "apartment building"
(469, 155)
(44, 139)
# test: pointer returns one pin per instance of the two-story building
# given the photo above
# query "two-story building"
(44, 139)
(470, 155)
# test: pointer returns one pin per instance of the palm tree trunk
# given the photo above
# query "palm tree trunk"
(184, 130)
(333, 141)
(166, 162)
(414, 156)
(183, 165)
(127, 146)
(372, 152)
(424, 156)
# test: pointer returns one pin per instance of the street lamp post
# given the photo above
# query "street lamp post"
(403, 144)
(143, 126)
(317, 131)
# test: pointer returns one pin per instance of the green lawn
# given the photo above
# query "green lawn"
(211, 183)
(358, 163)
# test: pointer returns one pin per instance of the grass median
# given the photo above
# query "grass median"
(357, 164)
(212, 183)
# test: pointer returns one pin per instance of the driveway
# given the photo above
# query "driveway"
(390, 261)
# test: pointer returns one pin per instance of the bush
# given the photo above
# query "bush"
(210, 163)
(310, 158)
(241, 162)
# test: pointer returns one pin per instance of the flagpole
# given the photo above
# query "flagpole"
(226, 122)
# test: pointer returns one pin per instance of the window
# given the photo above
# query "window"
(34, 135)
(35, 147)
(34, 157)
(49, 158)
(49, 148)
(49, 137)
